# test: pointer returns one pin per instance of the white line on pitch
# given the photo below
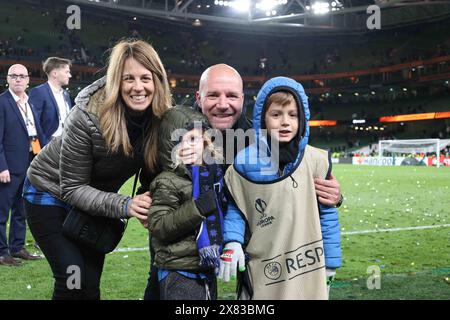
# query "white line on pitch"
(131, 249)
(342, 233)
(394, 229)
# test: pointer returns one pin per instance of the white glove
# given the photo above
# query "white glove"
(231, 255)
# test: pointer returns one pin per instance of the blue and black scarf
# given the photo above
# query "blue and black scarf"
(210, 235)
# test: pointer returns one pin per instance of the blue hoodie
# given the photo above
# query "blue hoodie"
(234, 223)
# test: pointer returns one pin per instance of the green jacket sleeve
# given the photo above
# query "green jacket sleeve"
(170, 216)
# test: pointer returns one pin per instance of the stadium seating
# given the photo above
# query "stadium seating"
(189, 50)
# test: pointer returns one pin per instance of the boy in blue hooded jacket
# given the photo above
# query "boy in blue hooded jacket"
(292, 242)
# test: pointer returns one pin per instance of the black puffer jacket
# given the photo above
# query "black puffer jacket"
(77, 167)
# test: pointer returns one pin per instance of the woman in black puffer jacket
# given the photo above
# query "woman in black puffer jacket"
(109, 135)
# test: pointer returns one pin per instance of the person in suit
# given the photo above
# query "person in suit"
(20, 139)
(51, 101)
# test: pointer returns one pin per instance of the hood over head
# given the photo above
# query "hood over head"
(176, 118)
(296, 89)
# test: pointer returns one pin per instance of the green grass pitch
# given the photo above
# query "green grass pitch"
(382, 208)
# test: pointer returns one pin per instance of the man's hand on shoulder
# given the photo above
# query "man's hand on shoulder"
(328, 191)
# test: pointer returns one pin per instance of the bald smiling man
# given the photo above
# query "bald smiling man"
(221, 99)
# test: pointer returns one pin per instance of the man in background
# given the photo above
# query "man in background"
(51, 102)
(20, 139)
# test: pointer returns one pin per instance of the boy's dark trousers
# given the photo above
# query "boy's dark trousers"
(155, 290)
(178, 287)
(152, 289)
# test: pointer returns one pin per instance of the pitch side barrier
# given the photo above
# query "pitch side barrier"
(400, 161)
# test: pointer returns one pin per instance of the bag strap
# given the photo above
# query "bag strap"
(136, 177)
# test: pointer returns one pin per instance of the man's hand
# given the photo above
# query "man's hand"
(4, 177)
(232, 256)
(328, 191)
(139, 207)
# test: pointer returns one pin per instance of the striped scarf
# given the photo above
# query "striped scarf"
(210, 235)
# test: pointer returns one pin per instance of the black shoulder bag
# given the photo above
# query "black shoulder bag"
(102, 234)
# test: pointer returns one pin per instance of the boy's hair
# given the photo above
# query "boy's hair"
(283, 98)
(280, 97)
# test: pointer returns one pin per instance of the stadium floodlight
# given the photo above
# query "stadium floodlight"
(320, 7)
(241, 5)
(269, 5)
(266, 5)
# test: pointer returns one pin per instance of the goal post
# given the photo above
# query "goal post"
(412, 146)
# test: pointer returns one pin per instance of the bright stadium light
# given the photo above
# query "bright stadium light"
(320, 7)
(269, 5)
(241, 5)
(266, 5)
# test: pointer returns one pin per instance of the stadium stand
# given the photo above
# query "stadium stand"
(363, 76)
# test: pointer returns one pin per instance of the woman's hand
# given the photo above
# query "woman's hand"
(139, 207)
